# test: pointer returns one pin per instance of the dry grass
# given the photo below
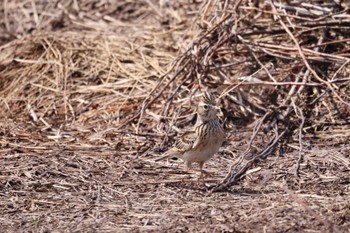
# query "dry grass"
(92, 92)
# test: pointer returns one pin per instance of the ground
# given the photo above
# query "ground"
(55, 186)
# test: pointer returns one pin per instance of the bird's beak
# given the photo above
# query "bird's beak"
(218, 110)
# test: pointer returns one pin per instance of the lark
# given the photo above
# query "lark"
(204, 140)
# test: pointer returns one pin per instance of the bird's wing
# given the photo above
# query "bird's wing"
(185, 141)
(182, 144)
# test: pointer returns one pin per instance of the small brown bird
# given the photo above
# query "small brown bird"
(204, 140)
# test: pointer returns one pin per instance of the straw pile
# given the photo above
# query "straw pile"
(92, 91)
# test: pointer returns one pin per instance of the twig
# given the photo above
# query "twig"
(300, 139)
(234, 175)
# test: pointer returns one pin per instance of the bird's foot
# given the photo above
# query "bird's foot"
(203, 174)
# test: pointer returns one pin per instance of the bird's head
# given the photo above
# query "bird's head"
(207, 107)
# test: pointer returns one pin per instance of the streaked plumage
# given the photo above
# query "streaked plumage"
(204, 140)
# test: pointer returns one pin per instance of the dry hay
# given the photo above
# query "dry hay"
(93, 91)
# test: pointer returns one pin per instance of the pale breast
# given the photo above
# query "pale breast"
(210, 144)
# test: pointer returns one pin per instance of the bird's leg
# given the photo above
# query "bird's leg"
(188, 166)
(203, 172)
(201, 164)
(201, 177)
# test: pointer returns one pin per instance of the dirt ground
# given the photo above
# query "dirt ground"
(75, 156)
(75, 186)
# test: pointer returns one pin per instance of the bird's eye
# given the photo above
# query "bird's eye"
(205, 107)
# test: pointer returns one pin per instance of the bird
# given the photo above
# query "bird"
(200, 143)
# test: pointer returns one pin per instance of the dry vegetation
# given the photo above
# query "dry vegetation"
(92, 91)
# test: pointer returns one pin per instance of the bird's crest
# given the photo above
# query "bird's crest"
(208, 98)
